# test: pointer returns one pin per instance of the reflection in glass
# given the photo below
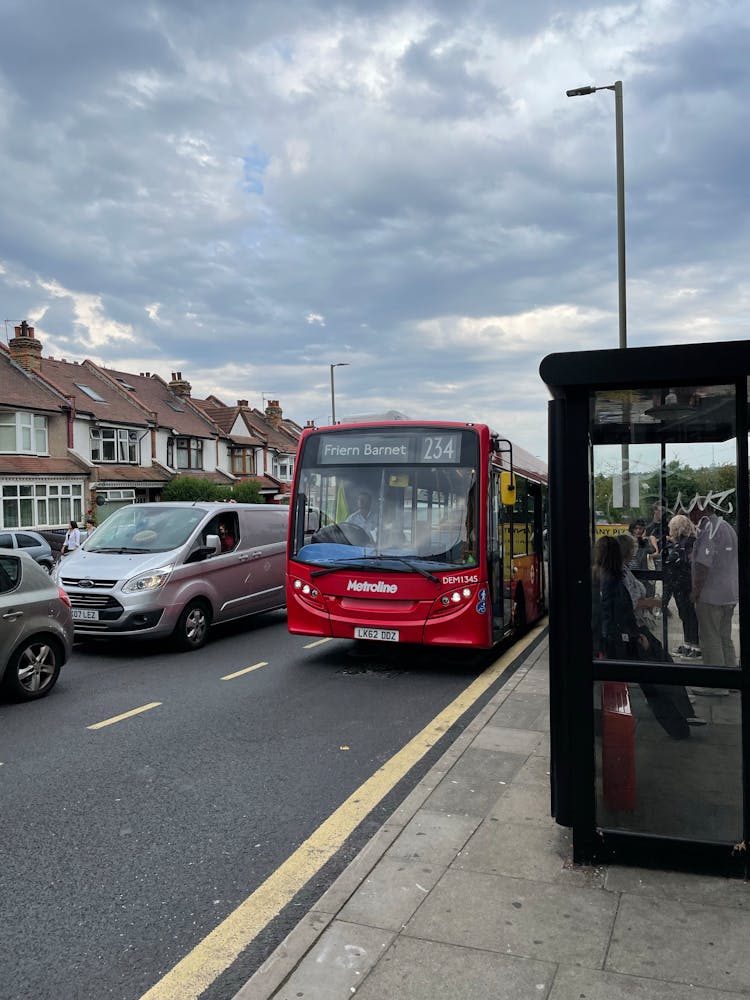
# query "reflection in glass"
(664, 471)
(650, 781)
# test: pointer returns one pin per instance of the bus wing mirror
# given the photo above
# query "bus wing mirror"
(507, 488)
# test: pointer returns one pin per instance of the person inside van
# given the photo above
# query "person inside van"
(226, 537)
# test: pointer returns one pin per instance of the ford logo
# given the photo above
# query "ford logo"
(86, 583)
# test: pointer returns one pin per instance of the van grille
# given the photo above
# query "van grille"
(69, 581)
(94, 601)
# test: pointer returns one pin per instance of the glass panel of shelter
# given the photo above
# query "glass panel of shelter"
(664, 590)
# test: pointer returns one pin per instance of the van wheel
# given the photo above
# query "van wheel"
(33, 669)
(192, 628)
(519, 613)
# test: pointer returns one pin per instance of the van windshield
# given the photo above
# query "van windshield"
(145, 529)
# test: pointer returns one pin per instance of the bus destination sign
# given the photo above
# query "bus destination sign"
(389, 449)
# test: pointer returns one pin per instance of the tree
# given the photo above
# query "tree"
(247, 491)
(189, 488)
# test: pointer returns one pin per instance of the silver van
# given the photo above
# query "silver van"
(159, 569)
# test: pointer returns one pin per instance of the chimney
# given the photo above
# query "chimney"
(243, 404)
(179, 385)
(273, 413)
(25, 350)
(310, 424)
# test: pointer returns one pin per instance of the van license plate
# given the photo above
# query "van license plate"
(383, 634)
(85, 615)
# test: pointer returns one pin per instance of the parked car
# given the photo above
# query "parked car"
(30, 541)
(174, 569)
(36, 637)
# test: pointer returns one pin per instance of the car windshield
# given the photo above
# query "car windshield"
(395, 514)
(145, 529)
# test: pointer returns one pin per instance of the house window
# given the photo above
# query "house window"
(114, 444)
(283, 468)
(23, 433)
(243, 463)
(43, 505)
(189, 453)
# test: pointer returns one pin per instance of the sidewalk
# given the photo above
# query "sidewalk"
(468, 892)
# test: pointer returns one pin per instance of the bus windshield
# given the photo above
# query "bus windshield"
(405, 493)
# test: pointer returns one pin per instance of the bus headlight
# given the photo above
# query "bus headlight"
(308, 592)
(454, 600)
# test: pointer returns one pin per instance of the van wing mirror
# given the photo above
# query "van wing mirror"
(507, 489)
(213, 545)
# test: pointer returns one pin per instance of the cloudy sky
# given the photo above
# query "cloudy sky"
(250, 190)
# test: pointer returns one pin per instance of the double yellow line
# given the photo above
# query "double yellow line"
(216, 952)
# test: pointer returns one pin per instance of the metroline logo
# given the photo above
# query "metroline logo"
(366, 587)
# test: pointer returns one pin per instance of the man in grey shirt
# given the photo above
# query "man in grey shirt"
(715, 589)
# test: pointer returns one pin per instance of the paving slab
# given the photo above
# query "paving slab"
(516, 741)
(527, 804)
(475, 782)
(522, 917)
(523, 711)
(391, 894)
(337, 964)
(732, 892)
(575, 984)
(514, 849)
(427, 970)
(434, 837)
(689, 943)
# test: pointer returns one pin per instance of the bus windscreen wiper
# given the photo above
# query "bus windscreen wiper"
(360, 559)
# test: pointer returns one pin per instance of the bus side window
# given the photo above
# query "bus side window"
(521, 520)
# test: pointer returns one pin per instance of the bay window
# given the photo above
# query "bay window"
(189, 453)
(41, 505)
(23, 433)
(114, 444)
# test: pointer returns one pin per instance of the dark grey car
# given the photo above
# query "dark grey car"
(30, 541)
(36, 627)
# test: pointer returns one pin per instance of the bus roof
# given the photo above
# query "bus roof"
(524, 463)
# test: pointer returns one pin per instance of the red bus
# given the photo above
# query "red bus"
(417, 532)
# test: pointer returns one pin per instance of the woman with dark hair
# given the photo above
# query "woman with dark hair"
(72, 539)
(615, 630)
(669, 702)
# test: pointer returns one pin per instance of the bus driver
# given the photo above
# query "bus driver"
(363, 516)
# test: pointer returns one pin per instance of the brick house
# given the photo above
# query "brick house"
(78, 436)
(43, 483)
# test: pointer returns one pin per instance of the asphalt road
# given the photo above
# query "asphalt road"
(123, 846)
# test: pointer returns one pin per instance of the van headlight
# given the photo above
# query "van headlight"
(148, 581)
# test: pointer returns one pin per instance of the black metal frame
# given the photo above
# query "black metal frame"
(571, 378)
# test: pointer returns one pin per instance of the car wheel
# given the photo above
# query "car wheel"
(192, 628)
(33, 669)
(46, 566)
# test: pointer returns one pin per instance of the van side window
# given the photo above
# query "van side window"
(269, 527)
(226, 526)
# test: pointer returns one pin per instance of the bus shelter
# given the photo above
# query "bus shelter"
(650, 725)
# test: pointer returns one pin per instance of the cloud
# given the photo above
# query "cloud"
(94, 328)
(415, 166)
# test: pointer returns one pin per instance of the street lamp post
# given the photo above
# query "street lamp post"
(617, 88)
(339, 364)
(622, 307)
